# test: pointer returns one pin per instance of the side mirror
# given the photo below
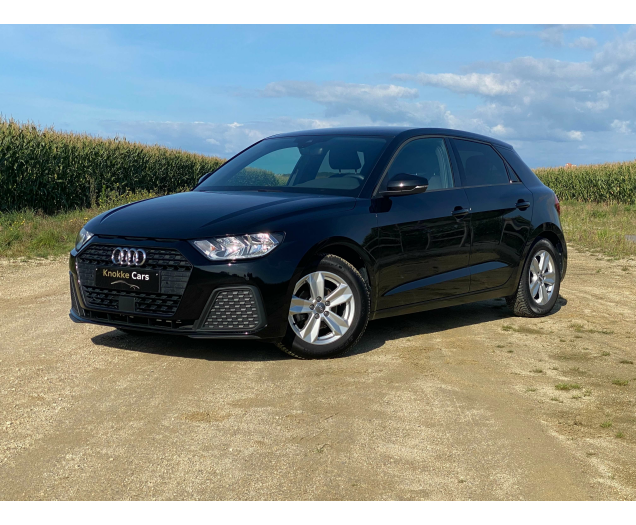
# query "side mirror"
(405, 184)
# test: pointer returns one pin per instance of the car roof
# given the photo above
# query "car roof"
(392, 131)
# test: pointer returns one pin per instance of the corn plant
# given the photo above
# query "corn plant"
(51, 171)
(613, 183)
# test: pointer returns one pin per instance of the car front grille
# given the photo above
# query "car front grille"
(234, 309)
(161, 259)
(174, 270)
(144, 303)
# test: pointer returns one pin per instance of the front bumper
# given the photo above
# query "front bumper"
(217, 314)
(197, 298)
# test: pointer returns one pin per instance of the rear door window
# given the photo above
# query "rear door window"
(479, 164)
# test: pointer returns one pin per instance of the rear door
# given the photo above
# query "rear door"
(423, 240)
(501, 213)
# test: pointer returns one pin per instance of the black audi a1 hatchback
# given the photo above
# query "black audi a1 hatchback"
(304, 237)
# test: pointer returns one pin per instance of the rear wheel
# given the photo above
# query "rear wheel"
(540, 282)
(328, 312)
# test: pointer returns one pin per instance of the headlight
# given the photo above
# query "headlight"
(82, 238)
(239, 247)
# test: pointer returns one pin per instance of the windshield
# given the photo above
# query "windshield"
(336, 165)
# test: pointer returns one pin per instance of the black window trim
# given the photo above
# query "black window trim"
(451, 162)
(513, 180)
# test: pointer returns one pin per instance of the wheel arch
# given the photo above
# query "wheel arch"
(552, 233)
(343, 247)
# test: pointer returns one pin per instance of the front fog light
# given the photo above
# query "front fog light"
(82, 238)
(238, 247)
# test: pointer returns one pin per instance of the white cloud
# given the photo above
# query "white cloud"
(617, 55)
(364, 103)
(534, 69)
(500, 130)
(295, 124)
(551, 35)
(555, 34)
(601, 103)
(584, 42)
(333, 92)
(579, 89)
(203, 137)
(484, 84)
(621, 126)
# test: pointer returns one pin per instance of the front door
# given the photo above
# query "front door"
(423, 240)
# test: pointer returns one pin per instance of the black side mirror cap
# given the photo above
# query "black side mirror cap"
(405, 184)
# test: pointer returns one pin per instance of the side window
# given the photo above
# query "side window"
(425, 158)
(480, 164)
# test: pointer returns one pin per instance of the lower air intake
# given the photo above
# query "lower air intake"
(234, 310)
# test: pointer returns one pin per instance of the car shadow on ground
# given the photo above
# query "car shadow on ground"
(435, 321)
(377, 334)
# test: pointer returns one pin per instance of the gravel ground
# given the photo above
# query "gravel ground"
(460, 403)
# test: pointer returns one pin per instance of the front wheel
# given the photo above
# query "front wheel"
(328, 312)
(540, 282)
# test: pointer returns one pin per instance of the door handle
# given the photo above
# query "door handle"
(459, 212)
(522, 205)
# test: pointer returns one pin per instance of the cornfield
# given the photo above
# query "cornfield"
(51, 171)
(613, 183)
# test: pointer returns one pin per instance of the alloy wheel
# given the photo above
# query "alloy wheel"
(322, 308)
(542, 277)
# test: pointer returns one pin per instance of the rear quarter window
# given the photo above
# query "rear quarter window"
(524, 173)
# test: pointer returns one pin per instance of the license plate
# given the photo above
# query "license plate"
(128, 279)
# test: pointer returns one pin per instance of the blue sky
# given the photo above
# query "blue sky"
(557, 93)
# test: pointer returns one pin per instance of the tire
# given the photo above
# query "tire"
(535, 295)
(316, 328)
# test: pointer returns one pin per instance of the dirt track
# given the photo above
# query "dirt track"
(452, 404)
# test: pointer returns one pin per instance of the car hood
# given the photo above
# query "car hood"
(197, 214)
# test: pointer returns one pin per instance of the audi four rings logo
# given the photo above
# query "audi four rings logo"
(128, 256)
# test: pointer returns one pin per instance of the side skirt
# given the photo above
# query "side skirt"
(454, 300)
